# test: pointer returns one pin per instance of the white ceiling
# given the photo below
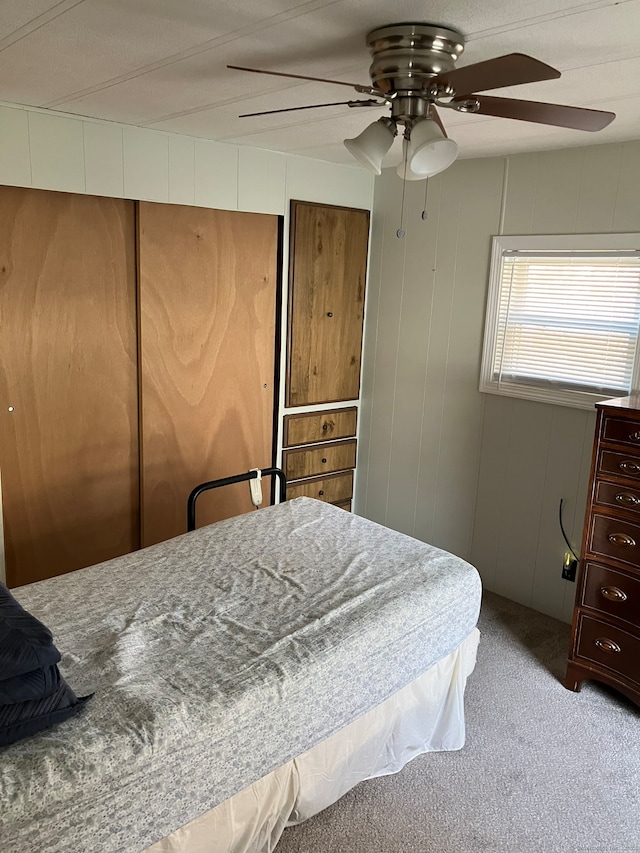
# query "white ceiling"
(162, 64)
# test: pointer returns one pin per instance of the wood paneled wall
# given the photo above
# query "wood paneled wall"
(63, 152)
(68, 381)
(475, 473)
(421, 413)
(534, 454)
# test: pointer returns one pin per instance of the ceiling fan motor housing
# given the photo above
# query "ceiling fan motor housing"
(405, 57)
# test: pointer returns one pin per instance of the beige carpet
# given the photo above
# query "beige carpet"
(544, 770)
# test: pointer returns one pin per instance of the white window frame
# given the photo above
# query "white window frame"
(563, 244)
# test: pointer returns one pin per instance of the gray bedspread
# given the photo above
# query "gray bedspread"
(216, 657)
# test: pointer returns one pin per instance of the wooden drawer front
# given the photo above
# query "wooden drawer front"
(338, 456)
(620, 464)
(609, 647)
(612, 592)
(613, 538)
(333, 489)
(319, 426)
(621, 430)
(620, 497)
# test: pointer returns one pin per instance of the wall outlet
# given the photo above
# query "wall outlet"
(569, 567)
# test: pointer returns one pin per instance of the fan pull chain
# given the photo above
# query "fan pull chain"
(401, 232)
(424, 213)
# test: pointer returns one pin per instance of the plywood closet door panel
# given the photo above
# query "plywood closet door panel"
(207, 336)
(326, 303)
(68, 369)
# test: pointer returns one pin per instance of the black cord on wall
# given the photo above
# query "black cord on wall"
(564, 534)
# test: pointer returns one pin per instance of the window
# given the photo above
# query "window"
(563, 315)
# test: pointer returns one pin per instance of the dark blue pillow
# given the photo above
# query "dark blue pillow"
(33, 693)
(30, 685)
(22, 719)
(25, 643)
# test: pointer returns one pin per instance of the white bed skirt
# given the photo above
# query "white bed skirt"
(425, 716)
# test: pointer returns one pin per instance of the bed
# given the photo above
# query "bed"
(245, 675)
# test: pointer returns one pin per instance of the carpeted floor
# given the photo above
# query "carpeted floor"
(544, 770)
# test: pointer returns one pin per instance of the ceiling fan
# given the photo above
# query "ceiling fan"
(413, 72)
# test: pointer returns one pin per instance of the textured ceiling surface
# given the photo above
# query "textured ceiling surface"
(162, 64)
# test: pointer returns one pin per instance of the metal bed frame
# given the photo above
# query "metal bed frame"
(229, 481)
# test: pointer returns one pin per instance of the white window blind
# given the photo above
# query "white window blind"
(565, 324)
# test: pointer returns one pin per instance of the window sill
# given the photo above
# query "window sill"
(572, 399)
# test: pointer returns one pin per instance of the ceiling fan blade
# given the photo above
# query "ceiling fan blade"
(559, 115)
(509, 70)
(315, 106)
(367, 90)
(435, 115)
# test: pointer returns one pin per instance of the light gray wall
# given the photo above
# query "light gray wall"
(477, 474)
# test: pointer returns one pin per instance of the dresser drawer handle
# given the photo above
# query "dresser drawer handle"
(635, 436)
(607, 645)
(626, 465)
(627, 499)
(621, 539)
(324, 460)
(613, 593)
(321, 492)
(325, 427)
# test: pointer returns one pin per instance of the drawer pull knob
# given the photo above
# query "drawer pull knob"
(635, 436)
(627, 499)
(321, 492)
(613, 593)
(324, 459)
(607, 645)
(627, 465)
(325, 427)
(621, 539)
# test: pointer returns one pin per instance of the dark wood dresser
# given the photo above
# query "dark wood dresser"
(605, 635)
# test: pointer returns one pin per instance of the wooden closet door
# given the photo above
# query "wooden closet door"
(68, 381)
(208, 284)
(327, 275)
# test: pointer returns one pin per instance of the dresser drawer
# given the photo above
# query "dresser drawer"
(612, 592)
(338, 487)
(620, 497)
(336, 456)
(609, 647)
(611, 537)
(621, 431)
(319, 426)
(619, 464)
(346, 505)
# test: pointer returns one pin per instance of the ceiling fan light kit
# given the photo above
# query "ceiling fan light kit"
(413, 72)
(426, 151)
(370, 147)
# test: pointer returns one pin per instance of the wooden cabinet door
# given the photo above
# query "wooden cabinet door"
(68, 381)
(208, 284)
(327, 274)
